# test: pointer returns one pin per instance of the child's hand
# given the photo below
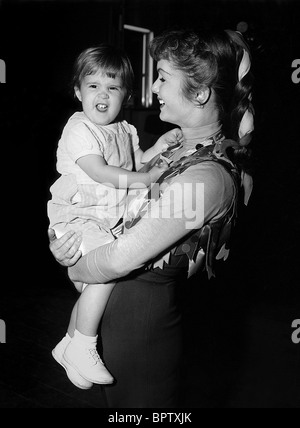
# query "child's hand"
(173, 137)
(158, 170)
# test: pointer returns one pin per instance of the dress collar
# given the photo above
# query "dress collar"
(204, 135)
(194, 135)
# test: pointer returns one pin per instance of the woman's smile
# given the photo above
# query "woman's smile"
(161, 102)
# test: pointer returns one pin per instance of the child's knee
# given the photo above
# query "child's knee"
(80, 286)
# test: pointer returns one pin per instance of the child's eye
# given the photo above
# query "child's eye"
(93, 86)
(113, 88)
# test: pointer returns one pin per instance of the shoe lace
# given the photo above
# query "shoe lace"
(94, 354)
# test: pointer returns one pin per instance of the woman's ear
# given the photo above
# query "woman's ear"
(78, 93)
(203, 95)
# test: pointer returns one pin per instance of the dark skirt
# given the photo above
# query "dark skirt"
(142, 338)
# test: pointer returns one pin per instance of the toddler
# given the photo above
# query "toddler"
(97, 158)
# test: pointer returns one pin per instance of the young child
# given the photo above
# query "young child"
(96, 157)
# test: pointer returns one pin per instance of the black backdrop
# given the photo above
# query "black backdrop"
(39, 41)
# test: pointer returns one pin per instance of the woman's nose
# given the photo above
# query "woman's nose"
(155, 87)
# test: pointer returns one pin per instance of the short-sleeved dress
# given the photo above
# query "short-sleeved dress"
(79, 203)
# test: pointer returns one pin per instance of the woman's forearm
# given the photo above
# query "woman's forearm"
(167, 222)
(129, 252)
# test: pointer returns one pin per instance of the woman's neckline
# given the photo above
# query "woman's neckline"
(193, 136)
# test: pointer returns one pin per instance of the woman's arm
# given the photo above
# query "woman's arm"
(191, 201)
(129, 252)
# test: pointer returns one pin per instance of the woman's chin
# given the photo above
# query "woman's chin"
(163, 117)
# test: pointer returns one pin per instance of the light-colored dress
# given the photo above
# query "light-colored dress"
(79, 203)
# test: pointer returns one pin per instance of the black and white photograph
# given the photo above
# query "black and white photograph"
(151, 166)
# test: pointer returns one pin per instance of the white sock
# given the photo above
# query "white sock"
(68, 337)
(85, 341)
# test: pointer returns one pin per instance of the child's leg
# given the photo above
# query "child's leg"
(78, 349)
(90, 308)
(73, 319)
(82, 353)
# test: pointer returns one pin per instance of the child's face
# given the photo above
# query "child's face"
(102, 97)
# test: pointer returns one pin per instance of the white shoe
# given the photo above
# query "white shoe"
(73, 375)
(87, 363)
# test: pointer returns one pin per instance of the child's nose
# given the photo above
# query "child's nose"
(104, 95)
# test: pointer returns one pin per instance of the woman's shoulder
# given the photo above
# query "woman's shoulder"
(211, 173)
(209, 180)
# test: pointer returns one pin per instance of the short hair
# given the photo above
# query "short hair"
(113, 61)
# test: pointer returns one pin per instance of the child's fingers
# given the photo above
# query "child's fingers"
(162, 164)
(166, 146)
(179, 135)
(176, 136)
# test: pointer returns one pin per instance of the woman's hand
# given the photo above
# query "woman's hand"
(65, 249)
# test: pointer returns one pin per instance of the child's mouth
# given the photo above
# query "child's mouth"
(102, 107)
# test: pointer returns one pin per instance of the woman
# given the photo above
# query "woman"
(204, 87)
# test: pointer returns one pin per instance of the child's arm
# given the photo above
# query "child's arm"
(162, 144)
(97, 169)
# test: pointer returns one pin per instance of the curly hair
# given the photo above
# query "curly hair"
(212, 60)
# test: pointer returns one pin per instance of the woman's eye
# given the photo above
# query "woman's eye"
(162, 79)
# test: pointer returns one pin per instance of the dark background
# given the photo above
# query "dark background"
(239, 351)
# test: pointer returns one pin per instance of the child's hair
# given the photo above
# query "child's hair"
(214, 60)
(113, 61)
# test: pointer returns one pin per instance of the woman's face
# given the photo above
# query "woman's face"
(175, 107)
